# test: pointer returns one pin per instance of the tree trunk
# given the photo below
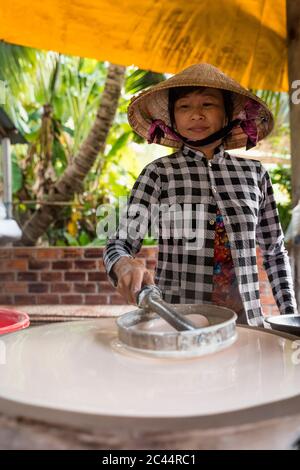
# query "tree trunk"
(71, 181)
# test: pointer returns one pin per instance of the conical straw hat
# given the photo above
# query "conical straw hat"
(152, 104)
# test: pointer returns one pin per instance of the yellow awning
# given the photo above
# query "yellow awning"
(245, 38)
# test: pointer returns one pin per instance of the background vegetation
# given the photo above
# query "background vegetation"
(53, 100)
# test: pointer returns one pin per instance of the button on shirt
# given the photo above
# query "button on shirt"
(241, 189)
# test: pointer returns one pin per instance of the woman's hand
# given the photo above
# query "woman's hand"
(132, 275)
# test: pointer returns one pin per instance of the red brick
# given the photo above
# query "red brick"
(38, 265)
(85, 264)
(93, 252)
(72, 253)
(74, 276)
(24, 252)
(101, 267)
(105, 287)
(27, 276)
(48, 299)
(85, 288)
(13, 265)
(61, 287)
(7, 277)
(25, 300)
(5, 253)
(6, 300)
(96, 300)
(117, 299)
(48, 253)
(64, 265)
(71, 299)
(51, 277)
(15, 287)
(38, 288)
(97, 276)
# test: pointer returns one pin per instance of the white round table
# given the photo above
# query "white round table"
(77, 375)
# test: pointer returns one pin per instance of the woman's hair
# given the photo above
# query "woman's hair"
(179, 92)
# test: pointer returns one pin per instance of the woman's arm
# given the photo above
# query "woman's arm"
(270, 238)
(127, 240)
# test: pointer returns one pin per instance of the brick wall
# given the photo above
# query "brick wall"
(40, 276)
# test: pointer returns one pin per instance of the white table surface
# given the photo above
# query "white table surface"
(77, 369)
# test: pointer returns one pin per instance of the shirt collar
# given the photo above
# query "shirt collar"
(218, 153)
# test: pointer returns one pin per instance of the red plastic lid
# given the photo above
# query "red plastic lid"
(12, 320)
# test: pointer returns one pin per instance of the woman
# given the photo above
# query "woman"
(230, 200)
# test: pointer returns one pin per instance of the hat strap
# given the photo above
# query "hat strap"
(159, 130)
(212, 137)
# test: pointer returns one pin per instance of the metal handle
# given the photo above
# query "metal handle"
(150, 297)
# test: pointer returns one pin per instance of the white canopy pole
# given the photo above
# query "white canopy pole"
(7, 176)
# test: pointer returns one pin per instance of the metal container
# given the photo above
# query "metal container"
(220, 333)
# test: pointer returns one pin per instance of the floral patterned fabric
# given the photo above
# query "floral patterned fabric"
(225, 287)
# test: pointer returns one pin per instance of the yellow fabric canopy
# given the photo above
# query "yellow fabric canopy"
(244, 38)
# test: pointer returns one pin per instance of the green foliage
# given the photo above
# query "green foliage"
(285, 214)
(282, 180)
(53, 101)
(17, 176)
(72, 87)
(139, 79)
(278, 102)
(282, 176)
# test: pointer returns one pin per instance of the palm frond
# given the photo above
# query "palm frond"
(278, 102)
(141, 79)
(14, 61)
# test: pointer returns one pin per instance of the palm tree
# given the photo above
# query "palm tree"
(56, 82)
(71, 180)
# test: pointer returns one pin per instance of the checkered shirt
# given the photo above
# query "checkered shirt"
(242, 190)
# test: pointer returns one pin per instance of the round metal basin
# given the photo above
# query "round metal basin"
(219, 333)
